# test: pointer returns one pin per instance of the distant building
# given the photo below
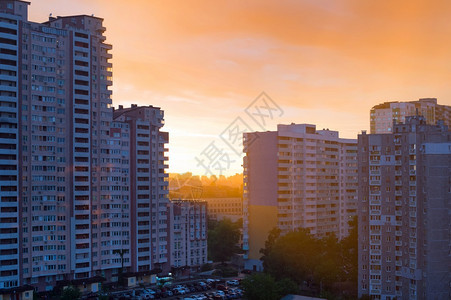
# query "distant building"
(188, 235)
(404, 212)
(297, 177)
(383, 115)
(220, 208)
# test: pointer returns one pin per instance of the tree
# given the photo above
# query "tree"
(264, 286)
(349, 246)
(260, 286)
(293, 255)
(325, 263)
(121, 253)
(286, 286)
(222, 240)
(70, 293)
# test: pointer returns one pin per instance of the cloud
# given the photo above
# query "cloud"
(204, 61)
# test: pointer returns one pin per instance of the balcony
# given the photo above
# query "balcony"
(398, 253)
(376, 262)
(398, 243)
(398, 193)
(375, 272)
(375, 281)
(398, 233)
(398, 182)
(398, 203)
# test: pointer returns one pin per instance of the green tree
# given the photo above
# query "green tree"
(222, 240)
(260, 286)
(323, 263)
(293, 255)
(70, 293)
(263, 286)
(286, 286)
(349, 246)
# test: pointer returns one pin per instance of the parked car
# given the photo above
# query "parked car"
(221, 287)
(179, 291)
(233, 282)
(167, 293)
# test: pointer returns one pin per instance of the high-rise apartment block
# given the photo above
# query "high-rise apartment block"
(83, 187)
(148, 186)
(188, 235)
(383, 115)
(404, 212)
(297, 177)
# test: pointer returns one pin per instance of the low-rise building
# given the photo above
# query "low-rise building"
(220, 208)
(188, 235)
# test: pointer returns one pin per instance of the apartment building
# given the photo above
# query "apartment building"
(188, 235)
(404, 211)
(82, 192)
(297, 177)
(149, 186)
(383, 115)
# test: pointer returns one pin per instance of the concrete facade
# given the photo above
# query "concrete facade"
(188, 235)
(383, 115)
(220, 208)
(82, 192)
(404, 212)
(297, 177)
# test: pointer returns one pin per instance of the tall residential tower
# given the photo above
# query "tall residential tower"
(404, 212)
(83, 193)
(297, 177)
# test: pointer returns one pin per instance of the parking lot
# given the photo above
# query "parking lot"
(195, 290)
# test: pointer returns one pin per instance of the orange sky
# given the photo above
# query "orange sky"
(323, 62)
